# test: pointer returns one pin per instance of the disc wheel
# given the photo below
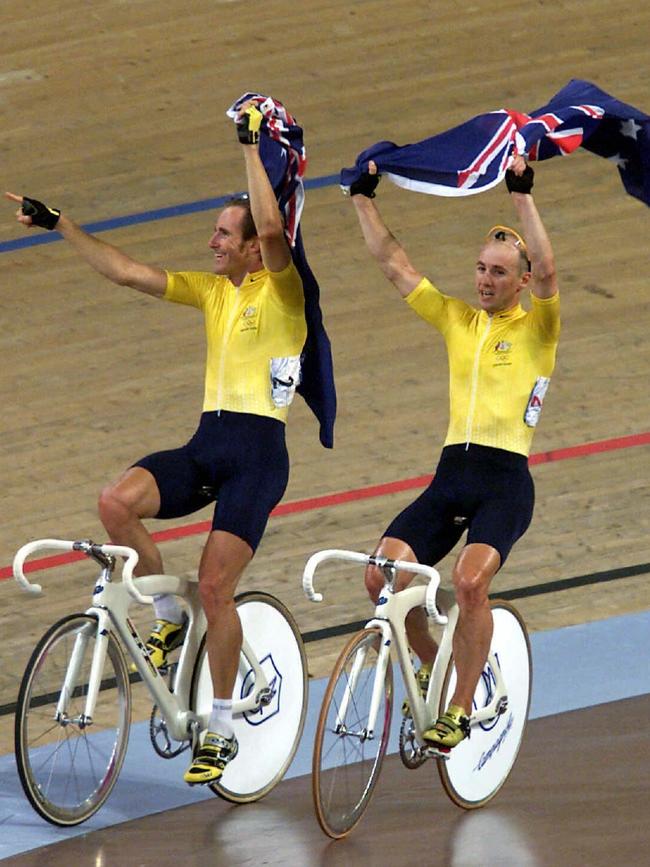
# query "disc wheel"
(269, 736)
(479, 766)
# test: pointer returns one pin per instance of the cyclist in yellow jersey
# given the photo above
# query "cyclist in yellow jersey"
(500, 361)
(253, 306)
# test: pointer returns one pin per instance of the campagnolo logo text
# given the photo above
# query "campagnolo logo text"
(496, 746)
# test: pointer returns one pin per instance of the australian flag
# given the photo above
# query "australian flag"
(474, 156)
(283, 154)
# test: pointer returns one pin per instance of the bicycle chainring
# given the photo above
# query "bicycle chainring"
(410, 752)
(160, 739)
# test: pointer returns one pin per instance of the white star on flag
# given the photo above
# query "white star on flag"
(630, 128)
(474, 156)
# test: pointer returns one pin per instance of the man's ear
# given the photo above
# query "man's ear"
(525, 279)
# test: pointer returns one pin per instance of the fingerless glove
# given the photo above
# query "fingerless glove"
(522, 183)
(41, 215)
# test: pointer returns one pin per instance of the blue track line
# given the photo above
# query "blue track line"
(146, 217)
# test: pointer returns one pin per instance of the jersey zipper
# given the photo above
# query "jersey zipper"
(224, 345)
(474, 391)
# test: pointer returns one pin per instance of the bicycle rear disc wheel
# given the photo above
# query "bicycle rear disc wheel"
(68, 766)
(479, 766)
(269, 736)
(347, 756)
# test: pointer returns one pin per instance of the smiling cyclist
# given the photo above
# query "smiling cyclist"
(500, 361)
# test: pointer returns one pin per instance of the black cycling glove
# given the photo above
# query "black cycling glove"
(520, 183)
(365, 185)
(41, 215)
(248, 126)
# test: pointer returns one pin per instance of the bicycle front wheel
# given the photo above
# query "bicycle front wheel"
(348, 754)
(269, 736)
(479, 766)
(68, 764)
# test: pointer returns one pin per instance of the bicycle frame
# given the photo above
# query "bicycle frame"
(110, 605)
(390, 615)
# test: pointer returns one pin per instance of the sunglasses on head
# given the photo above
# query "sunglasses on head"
(508, 235)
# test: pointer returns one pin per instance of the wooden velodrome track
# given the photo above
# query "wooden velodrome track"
(115, 108)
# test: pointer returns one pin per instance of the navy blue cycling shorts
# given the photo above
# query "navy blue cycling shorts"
(488, 492)
(238, 459)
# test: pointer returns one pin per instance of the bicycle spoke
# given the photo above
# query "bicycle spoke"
(347, 755)
(68, 767)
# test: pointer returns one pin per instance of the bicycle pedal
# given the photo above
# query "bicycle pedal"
(438, 752)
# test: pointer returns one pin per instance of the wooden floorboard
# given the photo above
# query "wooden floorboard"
(117, 107)
(575, 796)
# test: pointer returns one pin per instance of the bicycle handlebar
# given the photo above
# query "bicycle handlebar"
(383, 562)
(23, 553)
(86, 547)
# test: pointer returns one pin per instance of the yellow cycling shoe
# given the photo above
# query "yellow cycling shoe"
(165, 637)
(211, 759)
(450, 729)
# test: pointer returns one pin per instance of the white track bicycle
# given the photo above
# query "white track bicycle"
(74, 706)
(354, 724)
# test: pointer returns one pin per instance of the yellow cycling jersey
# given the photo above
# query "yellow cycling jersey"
(499, 366)
(255, 334)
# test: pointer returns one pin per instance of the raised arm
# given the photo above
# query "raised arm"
(382, 244)
(274, 247)
(519, 179)
(104, 258)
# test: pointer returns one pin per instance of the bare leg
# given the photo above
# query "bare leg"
(476, 566)
(122, 505)
(417, 628)
(225, 557)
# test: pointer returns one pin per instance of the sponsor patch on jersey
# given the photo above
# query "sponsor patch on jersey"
(285, 376)
(248, 319)
(502, 353)
(536, 401)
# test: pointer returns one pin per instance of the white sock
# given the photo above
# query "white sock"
(166, 607)
(221, 717)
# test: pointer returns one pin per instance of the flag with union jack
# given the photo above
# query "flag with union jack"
(282, 152)
(474, 156)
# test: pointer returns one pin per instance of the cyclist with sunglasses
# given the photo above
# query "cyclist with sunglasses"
(501, 357)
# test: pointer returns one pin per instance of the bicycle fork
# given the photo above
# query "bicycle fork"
(101, 632)
(377, 688)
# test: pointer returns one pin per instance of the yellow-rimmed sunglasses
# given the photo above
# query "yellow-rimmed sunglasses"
(505, 233)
